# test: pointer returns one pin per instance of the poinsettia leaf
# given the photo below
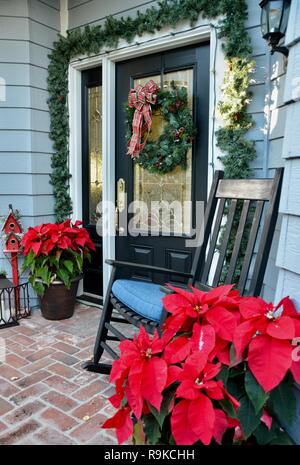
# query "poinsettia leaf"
(267, 419)
(282, 328)
(122, 422)
(202, 418)
(223, 375)
(38, 287)
(69, 265)
(151, 429)
(264, 436)
(242, 336)
(180, 425)
(223, 322)
(255, 392)
(282, 439)
(177, 350)
(283, 401)
(138, 437)
(269, 360)
(154, 379)
(164, 409)
(203, 338)
(233, 358)
(64, 276)
(218, 292)
(235, 384)
(228, 408)
(251, 307)
(248, 418)
(220, 425)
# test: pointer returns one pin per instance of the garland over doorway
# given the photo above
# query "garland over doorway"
(231, 138)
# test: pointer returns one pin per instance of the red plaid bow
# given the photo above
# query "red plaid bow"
(141, 99)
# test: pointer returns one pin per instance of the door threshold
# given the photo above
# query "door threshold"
(92, 301)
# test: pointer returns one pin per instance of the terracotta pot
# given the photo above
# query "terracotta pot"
(58, 302)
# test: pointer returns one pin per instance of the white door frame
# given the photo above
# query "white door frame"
(168, 38)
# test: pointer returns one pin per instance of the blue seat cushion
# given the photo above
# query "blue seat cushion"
(141, 297)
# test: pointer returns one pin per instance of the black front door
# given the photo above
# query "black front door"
(187, 67)
(92, 175)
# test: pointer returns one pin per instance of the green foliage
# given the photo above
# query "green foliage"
(138, 434)
(283, 401)
(152, 429)
(165, 407)
(43, 270)
(255, 392)
(231, 138)
(248, 418)
(264, 436)
(279, 403)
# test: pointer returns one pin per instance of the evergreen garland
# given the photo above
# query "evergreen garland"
(231, 139)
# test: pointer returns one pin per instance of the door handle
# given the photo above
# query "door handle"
(121, 193)
(121, 202)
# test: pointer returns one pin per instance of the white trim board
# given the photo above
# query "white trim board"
(167, 38)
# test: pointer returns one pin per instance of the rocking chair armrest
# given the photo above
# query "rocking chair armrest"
(166, 290)
(155, 269)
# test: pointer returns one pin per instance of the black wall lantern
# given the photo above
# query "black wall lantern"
(274, 19)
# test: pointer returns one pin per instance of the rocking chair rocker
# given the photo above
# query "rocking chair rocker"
(250, 207)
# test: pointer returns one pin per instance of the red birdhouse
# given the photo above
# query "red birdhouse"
(11, 225)
(12, 236)
(12, 243)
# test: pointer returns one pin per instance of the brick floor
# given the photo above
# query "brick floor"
(45, 395)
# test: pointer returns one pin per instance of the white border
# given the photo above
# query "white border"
(167, 38)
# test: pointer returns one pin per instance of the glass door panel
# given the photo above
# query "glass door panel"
(95, 151)
(164, 199)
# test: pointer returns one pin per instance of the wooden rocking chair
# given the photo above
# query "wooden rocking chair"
(250, 207)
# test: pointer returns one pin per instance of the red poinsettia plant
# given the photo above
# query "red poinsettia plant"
(55, 252)
(216, 374)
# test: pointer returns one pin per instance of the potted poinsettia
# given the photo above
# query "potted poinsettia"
(54, 255)
(216, 375)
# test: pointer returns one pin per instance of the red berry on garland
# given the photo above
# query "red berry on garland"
(178, 104)
(237, 116)
(172, 108)
(61, 98)
(176, 136)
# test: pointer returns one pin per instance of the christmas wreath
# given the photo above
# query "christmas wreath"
(170, 149)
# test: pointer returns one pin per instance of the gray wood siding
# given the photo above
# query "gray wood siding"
(82, 13)
(288, 253)
(288, 256)
(28, 29)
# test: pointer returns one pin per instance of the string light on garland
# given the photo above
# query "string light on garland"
(231, 138)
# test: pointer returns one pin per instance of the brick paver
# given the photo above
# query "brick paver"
(45, 395)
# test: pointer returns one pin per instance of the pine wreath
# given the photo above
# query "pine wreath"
(171, 147)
